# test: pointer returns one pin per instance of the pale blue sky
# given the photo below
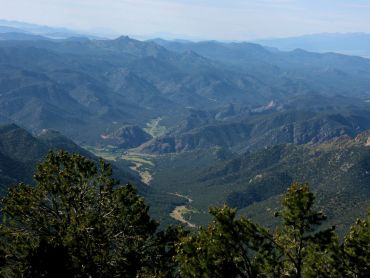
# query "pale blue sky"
(202, 19)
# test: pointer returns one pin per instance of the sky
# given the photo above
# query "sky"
(195, 19)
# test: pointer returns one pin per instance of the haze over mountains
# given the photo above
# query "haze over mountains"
(115, 82)
(356, 44)
(11, 27)
(236, 122)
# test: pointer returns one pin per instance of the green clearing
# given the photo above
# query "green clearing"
(154, 128)
(109, 153)
(138, 158)
(141, 163)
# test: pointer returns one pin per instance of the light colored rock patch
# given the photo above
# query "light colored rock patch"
(182, 196)
(178, 214)
(257, 177)
(145, 175)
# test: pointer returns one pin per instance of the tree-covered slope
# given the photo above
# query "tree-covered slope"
(286, 73)
(338, 171)
(85, 87)
(76, 220)
(300, 121)
(20, 152)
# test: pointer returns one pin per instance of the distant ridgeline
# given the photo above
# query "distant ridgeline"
(85, 88)
(301, 120)
(209, 122)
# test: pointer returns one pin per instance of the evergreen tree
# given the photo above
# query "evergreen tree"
(300, 249)
(357, 249)
(165, 264)
(224, 249)
(76, 222)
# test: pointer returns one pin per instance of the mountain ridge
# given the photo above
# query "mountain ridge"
(20, 152)
(83, 81)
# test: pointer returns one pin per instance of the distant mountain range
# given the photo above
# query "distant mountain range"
(214, 122)
(86, 87)
(357, 44)
(9, 26)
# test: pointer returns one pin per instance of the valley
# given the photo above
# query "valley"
(139, 163)
(173, 138)
(154, 128)
(194, 125)
(337, 171)
(142, 166)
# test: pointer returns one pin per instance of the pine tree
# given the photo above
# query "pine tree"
(357, 249)
(225, 249)
(76, 222)
(301, 249)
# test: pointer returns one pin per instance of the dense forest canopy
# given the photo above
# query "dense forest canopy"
(77, 221)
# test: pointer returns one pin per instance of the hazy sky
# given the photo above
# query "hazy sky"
(202, 19)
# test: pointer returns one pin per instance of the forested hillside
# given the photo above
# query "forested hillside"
(338, 172)
(77, 221)
(85, 88)
(20, 152)
(191, 125)
(308, 119)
